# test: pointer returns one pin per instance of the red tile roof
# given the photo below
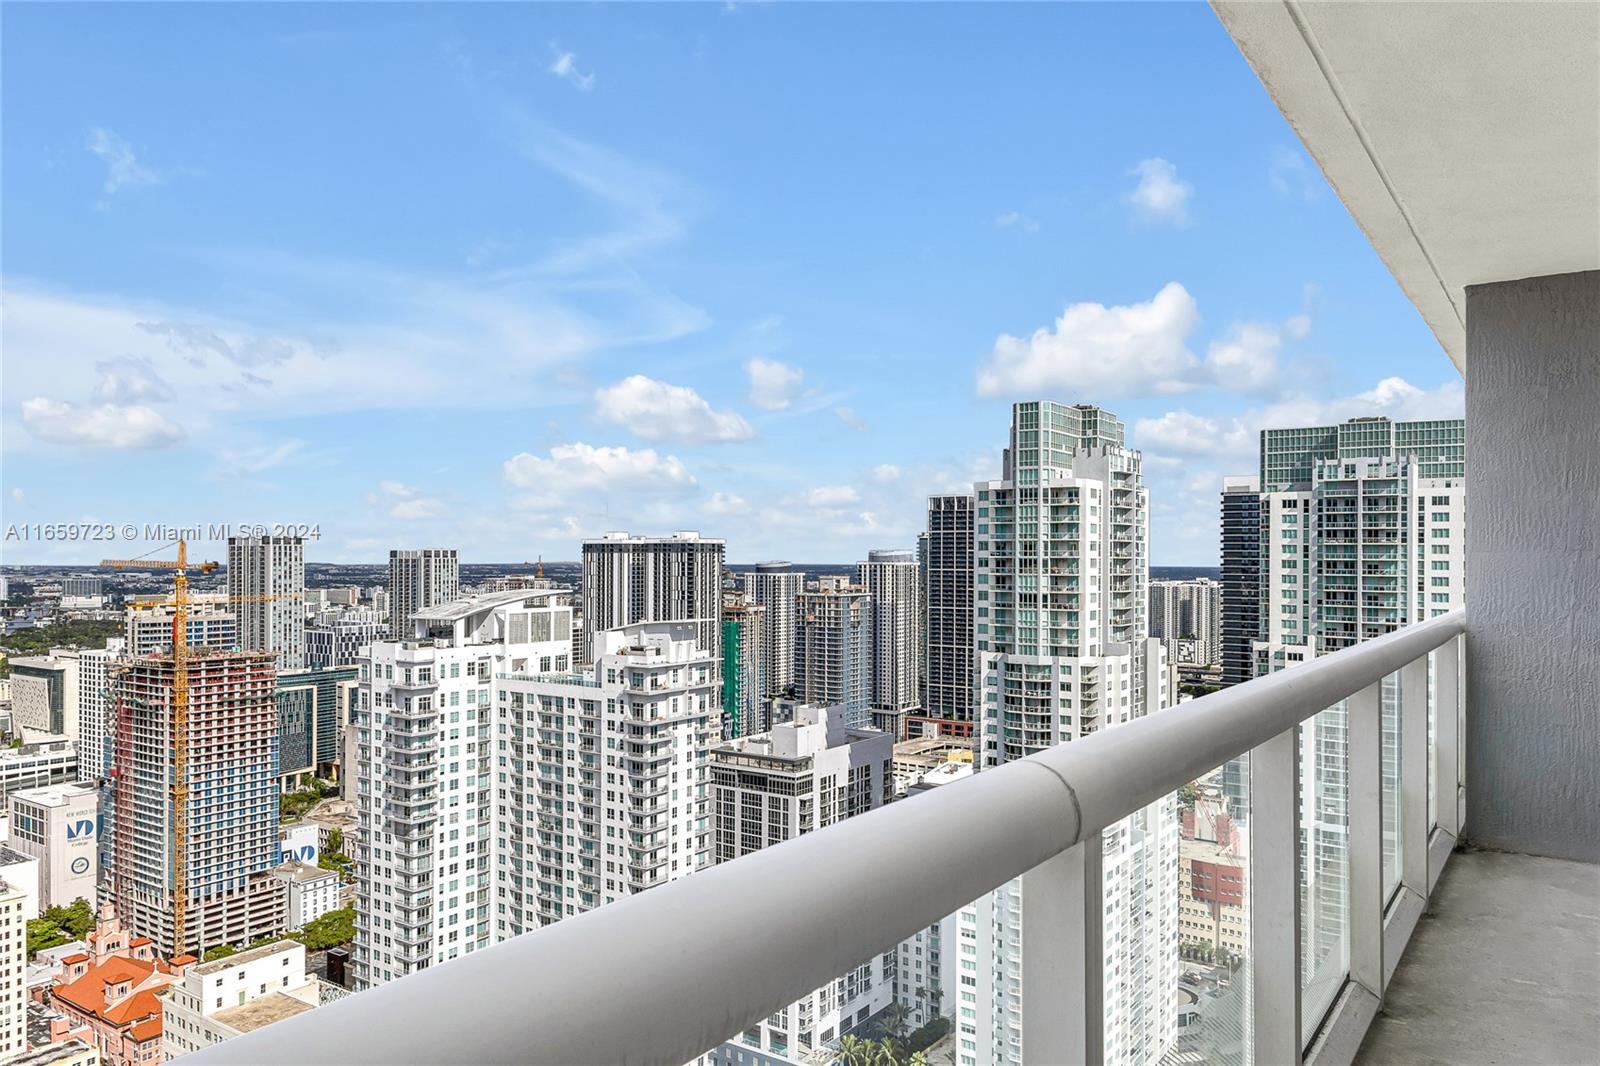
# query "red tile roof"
(140, 1009)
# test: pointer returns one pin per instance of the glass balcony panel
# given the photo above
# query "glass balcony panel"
(1213, 972)
(1324, 864)
(1390, 780)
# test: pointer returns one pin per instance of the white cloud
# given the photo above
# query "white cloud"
(408, 502)
(197, 341)
(1100, 351)
(1238, 436)
(123, 169)
(249, 461)
(656, 410)
(1247, 361)
(108, 425)
(773, 385)
(885, 472)
(566, 68)
(1016, 219)
(832, 496)
(129, 379)
(727, 503)
(411, 509)
(1191, 434)
(850, 418)
(579, 468)
(1160, 196)
(1138, 349)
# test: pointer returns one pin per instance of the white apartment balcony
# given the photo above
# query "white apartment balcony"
(1465, 140)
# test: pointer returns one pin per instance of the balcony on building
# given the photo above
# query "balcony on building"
(1464, 139)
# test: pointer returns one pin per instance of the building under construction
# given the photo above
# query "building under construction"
(231, 839)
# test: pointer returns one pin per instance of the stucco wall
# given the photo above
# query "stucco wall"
(1533, 568)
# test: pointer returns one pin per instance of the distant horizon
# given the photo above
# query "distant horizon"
(526, 565)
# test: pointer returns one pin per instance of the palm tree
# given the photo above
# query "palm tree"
(892, 1022)
(853, 1051)
(918, 1058)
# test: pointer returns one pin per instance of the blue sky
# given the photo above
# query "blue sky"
(499, 277)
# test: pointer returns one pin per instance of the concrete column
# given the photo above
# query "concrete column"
(1533, 568)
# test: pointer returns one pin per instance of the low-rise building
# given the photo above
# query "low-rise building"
(109, 998)
(1213, 925)
(312, 892)
(216, 1001)
(44, 693)
(40, 760)
(914, 758)
(72, 1051)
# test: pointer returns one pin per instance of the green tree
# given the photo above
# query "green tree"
(336, 840)
(221, 951)
(78, 918)
(330, 930)
(44, 934)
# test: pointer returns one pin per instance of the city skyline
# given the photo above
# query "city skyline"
(599, 283)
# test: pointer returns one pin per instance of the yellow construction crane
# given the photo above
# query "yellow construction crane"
(180, 723)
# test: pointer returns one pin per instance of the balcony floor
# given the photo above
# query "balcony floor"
(1503, 968)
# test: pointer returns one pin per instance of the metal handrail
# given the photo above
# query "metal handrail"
(665, 975)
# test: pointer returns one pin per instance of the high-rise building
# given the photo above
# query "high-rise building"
(336, 637)
(425, 785)
(1064, 651)
(1362, 528)
(799, 777)
(308, 722)
(1362, 531)
(777, 587)
(147, 630)
(635, 815)
(677, 578)
(833, 653)
(419, 578)
(893, 582)
(743, 683)
(94, 707)
(949, 695)
(1187, 616)
(267, 589)
(58, 825)
(13, 970)
(1241, 576)
(231, 842)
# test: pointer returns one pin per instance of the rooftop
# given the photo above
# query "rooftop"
(471, 605)
(65, 1051)
(206, 969)
(273, 1007)
(300, 873)
(55, 795)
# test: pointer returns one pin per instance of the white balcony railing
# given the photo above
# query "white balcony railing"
(665, 975)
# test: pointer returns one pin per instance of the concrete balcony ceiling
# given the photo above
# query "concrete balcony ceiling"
(1463, 137)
